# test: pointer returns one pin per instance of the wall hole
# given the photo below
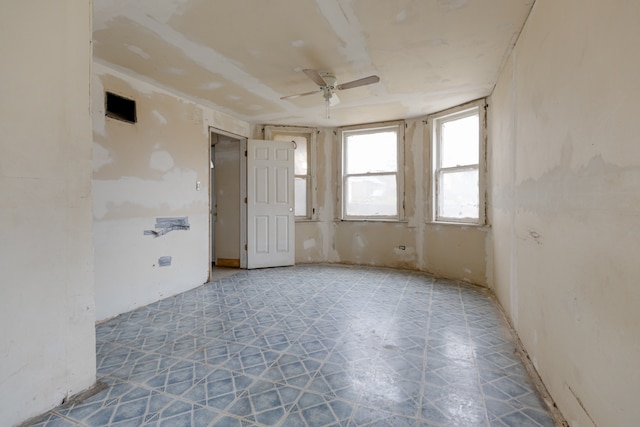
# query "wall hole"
(120, 108)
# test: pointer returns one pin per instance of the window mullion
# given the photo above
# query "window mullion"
(371, 174)
(459, 168)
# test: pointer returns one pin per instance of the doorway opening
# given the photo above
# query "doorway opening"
(227, 209)
(251, 200)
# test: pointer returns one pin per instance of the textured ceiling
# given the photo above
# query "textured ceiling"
(242, 56)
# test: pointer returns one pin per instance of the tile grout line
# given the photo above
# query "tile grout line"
(247, 353)
(475, 361)
(425, 351)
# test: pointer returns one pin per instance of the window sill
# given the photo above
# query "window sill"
(303, 220)
(460, 224)
(382, 220)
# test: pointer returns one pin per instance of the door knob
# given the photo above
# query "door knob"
(290, 209)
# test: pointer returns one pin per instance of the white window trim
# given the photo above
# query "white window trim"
(270, 130)
(433, 126)
(400, 124)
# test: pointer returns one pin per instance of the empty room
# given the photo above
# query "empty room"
(320, 213)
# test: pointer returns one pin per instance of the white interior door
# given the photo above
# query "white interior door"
(270, 204)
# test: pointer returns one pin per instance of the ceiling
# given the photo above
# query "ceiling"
(242, 56)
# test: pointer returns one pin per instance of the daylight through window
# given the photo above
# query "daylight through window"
(370, 180)
(302, 163)
(456, 154)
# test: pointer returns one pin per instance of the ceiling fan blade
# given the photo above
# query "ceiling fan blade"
(315, 76)
(300, 94)
(360, 82)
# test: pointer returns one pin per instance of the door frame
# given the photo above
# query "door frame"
(242, 148)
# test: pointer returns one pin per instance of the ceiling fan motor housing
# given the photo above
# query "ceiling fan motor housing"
(330, 79)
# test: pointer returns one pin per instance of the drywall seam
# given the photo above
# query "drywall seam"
(509, 53)
(210, 59)
(342, 18)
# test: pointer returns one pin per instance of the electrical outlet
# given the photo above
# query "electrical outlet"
(198, 185)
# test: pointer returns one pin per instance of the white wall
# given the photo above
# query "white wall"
(565, 203)
(47, 338)
(145, 171)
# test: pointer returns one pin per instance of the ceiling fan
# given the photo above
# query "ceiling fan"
(329, 84)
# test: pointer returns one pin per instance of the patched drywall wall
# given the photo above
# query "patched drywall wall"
(565, 202)
(376, 243)
(156, 168)
(456, 251)
(453, 251)
(47, 343)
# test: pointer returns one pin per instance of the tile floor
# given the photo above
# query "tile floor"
(311, 346)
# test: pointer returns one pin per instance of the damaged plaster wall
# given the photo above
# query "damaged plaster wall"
(142, 172)
(452, 251)
(565, 180)
(47, 313)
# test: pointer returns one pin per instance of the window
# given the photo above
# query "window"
(371, 184)
(304, 140)
(457, 152)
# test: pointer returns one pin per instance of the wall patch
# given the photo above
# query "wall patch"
(165, 225)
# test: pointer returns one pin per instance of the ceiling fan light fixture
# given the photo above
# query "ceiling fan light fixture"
(334, 100)
(330, 99)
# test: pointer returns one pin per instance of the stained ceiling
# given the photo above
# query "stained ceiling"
(242, 56)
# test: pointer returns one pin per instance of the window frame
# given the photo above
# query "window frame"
(434, 123)
(399, 173)
(270, 131)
